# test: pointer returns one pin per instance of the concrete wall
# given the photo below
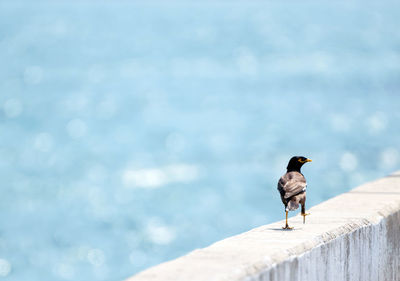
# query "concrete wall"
(354, 236)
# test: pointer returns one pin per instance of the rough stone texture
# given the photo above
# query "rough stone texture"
(354, 236)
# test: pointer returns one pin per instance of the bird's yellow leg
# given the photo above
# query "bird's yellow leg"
(304, 217)
(303, 212)
(287, 226)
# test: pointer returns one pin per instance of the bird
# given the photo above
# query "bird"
(292, 187)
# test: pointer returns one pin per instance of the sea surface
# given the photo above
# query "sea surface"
(134, 132)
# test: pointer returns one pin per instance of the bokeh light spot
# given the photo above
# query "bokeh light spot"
(377, 123)
(12, 108)
(348, 162)
(5, 267)
(157, 177)
(76, 128)
(340, 123)
(160, 233)
(247, 62)
(43, 142)
(389, 158)
(96, 257)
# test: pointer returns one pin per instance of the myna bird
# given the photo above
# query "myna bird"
(292, 187)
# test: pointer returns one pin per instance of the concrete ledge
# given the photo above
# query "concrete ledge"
(354, 236)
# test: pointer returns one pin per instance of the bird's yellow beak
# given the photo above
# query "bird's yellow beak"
(304, 161)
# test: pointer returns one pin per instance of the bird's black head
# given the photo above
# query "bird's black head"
(296, 162)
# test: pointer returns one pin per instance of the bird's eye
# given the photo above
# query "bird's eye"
(302, 161)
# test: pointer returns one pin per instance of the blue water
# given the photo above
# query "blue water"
(132, 133)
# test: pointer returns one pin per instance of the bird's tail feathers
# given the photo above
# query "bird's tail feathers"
(293, 205)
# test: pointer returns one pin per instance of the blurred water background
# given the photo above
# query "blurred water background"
(132, 133)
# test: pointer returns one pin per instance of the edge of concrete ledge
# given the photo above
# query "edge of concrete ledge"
(340, 233)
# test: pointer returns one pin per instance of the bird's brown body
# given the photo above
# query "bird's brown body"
(292, 187)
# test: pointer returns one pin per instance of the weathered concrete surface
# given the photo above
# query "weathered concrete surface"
(354, 236)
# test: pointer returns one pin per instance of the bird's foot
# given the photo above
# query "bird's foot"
(287, 227)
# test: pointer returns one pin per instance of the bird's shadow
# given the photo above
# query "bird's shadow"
(283, 229)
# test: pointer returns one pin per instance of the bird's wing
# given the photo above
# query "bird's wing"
(292, 183)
